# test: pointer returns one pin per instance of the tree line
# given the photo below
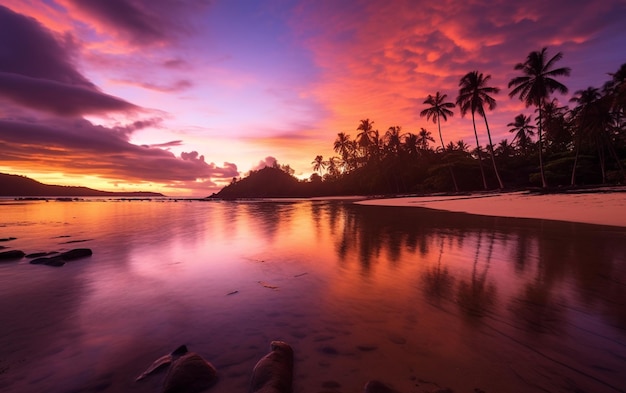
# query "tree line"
(560, 146)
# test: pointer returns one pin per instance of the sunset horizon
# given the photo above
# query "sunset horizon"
(125, 96)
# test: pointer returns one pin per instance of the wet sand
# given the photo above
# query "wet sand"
(603, 208)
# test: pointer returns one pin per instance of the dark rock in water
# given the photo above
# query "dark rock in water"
(59, 260)
(56, 261)
(378, 387)
(163, 361)
(53, 261)
(274, 372)
(76, 253)
(6, 239)
(11, 254)
(190, 374)
(40, 254)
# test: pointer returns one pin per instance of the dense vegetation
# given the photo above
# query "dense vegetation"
(561, 146)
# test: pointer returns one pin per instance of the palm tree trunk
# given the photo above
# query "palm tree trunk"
(456, 187)
(573, 180)
(493, 156)
(480, 158)
(544, 184)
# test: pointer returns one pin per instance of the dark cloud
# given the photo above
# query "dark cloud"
(29, 49)
(59, 98)
(36, 71)
(78, 146)
(141, 22)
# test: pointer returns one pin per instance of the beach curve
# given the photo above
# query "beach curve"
(591, 207)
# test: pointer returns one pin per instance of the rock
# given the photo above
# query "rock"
(59, 260)
(76, 253)
(53, 261)
(190, 373)
(40, 254)
(377, 387)
(11, 254)
(162, 362)
(7, 239)
(274, 372)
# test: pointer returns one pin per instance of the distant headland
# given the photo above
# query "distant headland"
(22, 186)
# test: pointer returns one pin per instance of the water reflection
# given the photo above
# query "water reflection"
(361, 292)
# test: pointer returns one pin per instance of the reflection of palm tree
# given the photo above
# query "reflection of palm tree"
(437, 281)
(473, 95)
(439, 109)
(475, 298)
(523, 131)
(535, 87)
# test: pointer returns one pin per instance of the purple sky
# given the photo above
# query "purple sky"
(179, 97)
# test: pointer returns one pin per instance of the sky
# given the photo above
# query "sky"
(181, 96)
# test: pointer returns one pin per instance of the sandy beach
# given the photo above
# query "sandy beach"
(593, 207)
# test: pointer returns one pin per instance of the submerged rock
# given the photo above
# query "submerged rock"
(59, 260)
(11, 254)
(378, 387)
(190, 373)
(76, 253)
(274, 372)
(40, 254)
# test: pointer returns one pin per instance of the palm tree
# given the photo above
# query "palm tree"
(363, 138)
(342, 144)
(474, 93)
(424, 138)
(523, 131)
(535, 87)
(439, 109)
(411, 144)
(318, 164)
(393, 139)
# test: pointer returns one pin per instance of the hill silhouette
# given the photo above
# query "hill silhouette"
(22, 186)
(269, 182)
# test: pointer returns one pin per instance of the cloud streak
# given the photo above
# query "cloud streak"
(80, 147)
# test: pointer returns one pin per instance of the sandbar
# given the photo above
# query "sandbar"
(602, 207)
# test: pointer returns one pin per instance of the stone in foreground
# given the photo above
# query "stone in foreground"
(274, 372)
(190, 373)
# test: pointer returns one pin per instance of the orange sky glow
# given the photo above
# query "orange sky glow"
(147, 95)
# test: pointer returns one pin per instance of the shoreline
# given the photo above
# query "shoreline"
(600, 207)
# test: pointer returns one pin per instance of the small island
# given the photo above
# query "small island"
(22, 186)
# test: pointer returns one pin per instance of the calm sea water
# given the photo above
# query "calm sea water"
(415, 298)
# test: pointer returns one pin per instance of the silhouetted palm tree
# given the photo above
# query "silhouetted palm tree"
(393, 139)
(474, 93)
(424, 137)
(439, 109)
(342, 144)
(363, 138)
(535, 87)
(523, 131)
(318, 164)
(411, 144)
